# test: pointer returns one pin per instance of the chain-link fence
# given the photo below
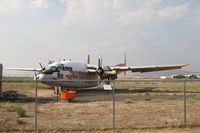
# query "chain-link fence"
(131, 104)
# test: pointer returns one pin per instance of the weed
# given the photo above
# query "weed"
(21, 111)
(128, 100)
(2, 121)
(197, 97)
(157, 100)
(147, 99)
(10, 108)
(1, 105)
(20, 122)
(172, 98)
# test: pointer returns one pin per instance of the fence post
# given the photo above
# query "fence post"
(185, 101)
(1, 69)
(36, 101)
(113, 107)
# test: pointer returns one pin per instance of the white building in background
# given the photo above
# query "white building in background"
(166, 77)
(163, 77)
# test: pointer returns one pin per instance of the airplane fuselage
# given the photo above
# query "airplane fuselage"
(68, 74)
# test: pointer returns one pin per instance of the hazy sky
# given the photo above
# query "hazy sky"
(151, 32)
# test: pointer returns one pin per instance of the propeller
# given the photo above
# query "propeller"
(100, 70)
(42, 66)
(104, 71)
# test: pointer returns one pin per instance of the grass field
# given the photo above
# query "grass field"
(140, 107)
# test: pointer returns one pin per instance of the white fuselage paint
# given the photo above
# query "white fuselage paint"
(70, 74)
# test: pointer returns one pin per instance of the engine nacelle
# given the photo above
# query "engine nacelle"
(100, 71)
(106, 73)
(109, 77)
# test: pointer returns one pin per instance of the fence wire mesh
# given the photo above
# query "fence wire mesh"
(133, 104)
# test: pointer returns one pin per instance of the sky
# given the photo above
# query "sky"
(150, 32)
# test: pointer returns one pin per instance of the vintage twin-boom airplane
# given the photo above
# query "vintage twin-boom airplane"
(74, 74)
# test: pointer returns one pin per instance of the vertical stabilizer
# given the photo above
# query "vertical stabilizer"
(88, 59)
(124, 62)
(124, 59)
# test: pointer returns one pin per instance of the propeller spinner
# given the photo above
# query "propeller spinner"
(100, 70)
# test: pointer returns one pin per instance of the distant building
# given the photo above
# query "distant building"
(173, 77)
(192, 77)
(180, 77)
(165, 77)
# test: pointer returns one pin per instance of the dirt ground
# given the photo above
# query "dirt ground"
(139, 107)
(166, 130)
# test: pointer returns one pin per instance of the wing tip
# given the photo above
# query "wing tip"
(185, 65)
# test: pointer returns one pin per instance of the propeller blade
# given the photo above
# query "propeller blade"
(40, 63)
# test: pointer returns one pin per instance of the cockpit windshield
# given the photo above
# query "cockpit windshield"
(57, 68)
(53, 67)
(51, 70)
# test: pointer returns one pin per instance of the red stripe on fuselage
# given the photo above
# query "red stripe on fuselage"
(74, 74)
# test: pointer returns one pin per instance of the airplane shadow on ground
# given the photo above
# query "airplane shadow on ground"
(98, 91)
(99, 94)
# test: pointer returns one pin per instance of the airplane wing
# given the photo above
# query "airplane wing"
(120, 69)
(25, 69)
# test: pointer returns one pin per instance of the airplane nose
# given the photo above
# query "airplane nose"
(40, 77)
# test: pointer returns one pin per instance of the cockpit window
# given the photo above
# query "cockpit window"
(51, 70)
(60, 67)
(53, 67)
(64, 68)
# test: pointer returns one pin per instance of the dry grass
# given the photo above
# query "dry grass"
(98, 116)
